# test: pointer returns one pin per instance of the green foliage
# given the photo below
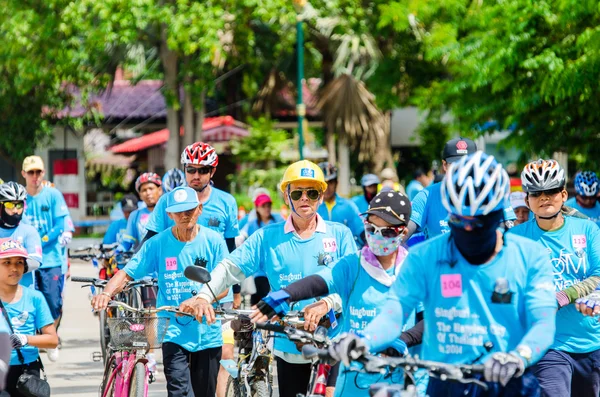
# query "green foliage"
(263, 145)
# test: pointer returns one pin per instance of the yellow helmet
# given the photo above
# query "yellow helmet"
(303, 171)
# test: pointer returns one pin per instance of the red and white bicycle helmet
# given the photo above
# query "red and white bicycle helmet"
(200, 153)
(147, 177)
(542, 175)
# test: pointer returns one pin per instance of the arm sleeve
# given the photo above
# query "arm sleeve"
(414, 336)
(340, 278)
(347, 243)
(110, 237)
(231, 225)
(148, 236)
(309, 287)
(223, 276)
(418, 208)
(57, 230)
(142, 263)
(130, 238)
(33, 244)
(540, 303)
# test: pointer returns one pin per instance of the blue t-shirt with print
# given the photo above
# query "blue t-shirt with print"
(345, 212)
(429, 213)
(285, 258)
(116, 232)
(169, 258)
(29, 314)
(592, 213)
(575, 255)
(46, 212)
(254, 225)
(361, 203)
(136, 228)
(508, 301)
(413, 188)
(30, 238)
(218, 213)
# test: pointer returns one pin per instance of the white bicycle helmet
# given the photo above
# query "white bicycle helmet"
(200, 153)
(12, 191)
(475, 185)
(542, 175)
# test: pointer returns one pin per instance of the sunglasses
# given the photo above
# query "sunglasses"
(463, 222)
(34, 172)
(384, 231)
(312, 194)
(14, 204)
(201, 171)
(549, 193)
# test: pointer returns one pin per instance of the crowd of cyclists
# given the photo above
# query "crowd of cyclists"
(459, 271)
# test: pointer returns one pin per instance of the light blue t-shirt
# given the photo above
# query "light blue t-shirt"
(29, 314)
(575, 256)
(218, 213)
(413, 188)
(508, 301)
(136, 228)
(45, 212)
(254, 225)
(169, 258)
(116, 232)
(429, 213)
(285, 258)
(345, 212)
(30, 238)
(592, 213)
(361, 203)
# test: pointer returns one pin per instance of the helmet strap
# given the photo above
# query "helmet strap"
(550, 217)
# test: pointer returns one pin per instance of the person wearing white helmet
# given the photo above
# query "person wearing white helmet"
(519, 206)
(487, 294)
(570, 367)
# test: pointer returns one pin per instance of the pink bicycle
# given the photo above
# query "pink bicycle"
(133, 332)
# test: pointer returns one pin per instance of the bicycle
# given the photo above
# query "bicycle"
(463, 373)
(126, 296)
(126, 373)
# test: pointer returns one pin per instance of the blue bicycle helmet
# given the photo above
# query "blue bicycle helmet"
(172, 179)
(586, 184)
(475, 185)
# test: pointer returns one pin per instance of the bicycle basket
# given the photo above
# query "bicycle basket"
(138, 332)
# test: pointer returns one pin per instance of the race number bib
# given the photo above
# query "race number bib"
(451, 285)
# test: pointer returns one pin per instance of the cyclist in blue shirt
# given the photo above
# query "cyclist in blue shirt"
(370, 184)
(421, 181)
(26, 312)
(571, 366)
(478, 286)
(148, 186)
(338, 209)
(362, 279)
(118, 229)
(12, 206)
(47, 211)
(191, 349)
(287, 252)
(586, 190)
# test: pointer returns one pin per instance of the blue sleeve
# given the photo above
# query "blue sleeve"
(144, 262)
(231, 223)
(248, 256)
(33, 245)
(593, 248)
(418, 208)
(221, 251)
(55, 232)
(347, 243)
(69, 226)
(540, 302)
(158, 218)
(406, 293)
(43, 317)
(509, 213)
(356, 223)
(341, 276)
(110, 237)
(131, 238)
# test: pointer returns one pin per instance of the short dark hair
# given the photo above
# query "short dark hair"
(418, 173)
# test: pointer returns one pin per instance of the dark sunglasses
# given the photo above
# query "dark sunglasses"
(385, 231)
(34, 172)
(14, 204)
(312, 194)
(549, 193)
(201, 171)
(463, 222)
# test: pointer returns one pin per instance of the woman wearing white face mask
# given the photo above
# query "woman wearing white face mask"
(362, 279)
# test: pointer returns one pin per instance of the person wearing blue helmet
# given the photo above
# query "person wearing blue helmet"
(586, 191)
(172, 179)
(369, 183)
(487, 294)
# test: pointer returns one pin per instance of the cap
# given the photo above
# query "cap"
(260, 191)
(182, 199)
(388, 173)
(369, 180)
(517, 199)
(10, 248)
(458, 147)
(391, 206)
(129, 203)
(33, 163)
(262, 199)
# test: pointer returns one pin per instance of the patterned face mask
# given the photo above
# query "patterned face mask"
(382, 246)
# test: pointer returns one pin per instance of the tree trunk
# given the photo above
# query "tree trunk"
(332, 158)
(188, 118)
(200, 111)
(343, 168)
(384, 156)
(169, 64)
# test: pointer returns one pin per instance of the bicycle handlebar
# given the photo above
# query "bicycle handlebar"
(96, 282)
(295, 334)
(170, 309)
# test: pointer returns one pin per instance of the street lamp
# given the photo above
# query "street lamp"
(300, 107)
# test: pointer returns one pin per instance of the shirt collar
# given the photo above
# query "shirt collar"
(289, 225)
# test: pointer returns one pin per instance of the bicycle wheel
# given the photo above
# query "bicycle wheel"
(137, 387)
(104, 335)
(234, 389)
(260, 388)
(107, 382)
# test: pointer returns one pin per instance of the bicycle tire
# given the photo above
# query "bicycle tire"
(106, 378)
(260, 388)
(104, 335)
(234, 389)
(137, 386)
